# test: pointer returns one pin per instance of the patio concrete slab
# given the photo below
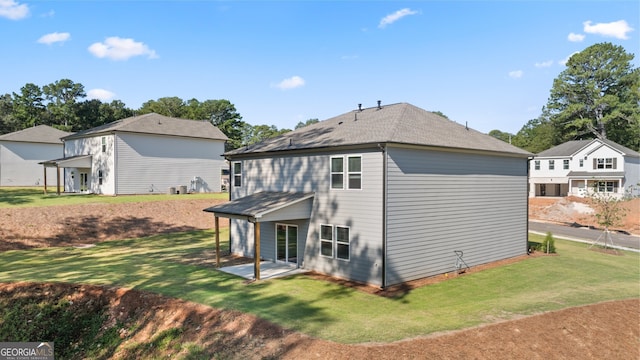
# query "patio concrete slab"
(268, 270)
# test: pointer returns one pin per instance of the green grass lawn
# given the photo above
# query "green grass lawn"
(161, 264)
(23, 197)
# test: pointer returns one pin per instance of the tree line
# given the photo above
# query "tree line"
(62, 105)
(596, 96)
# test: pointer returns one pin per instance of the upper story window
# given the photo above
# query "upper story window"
(353, 171)
(536, 164)
(604, 163)
(552, 164)
(237, 174)
(565, 164)
(103, 140)
(581, 162)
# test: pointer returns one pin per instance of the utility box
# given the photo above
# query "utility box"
(183, 189)
(172, 190)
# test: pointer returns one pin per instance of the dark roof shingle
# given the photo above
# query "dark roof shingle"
(37, 134)
(397, 123)
(157, 124)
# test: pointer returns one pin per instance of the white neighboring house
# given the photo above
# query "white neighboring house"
(144, 154)
(22, 151)
(575, 167)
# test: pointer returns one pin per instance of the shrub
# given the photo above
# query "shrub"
(548, 246)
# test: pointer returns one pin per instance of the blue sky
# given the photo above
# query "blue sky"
(490, 64)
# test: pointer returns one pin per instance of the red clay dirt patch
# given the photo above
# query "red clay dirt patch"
(600, 331)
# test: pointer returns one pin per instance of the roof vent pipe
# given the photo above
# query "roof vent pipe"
(379, 106)
(359, 107)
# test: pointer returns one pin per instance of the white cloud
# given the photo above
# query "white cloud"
(617, 29)
(564, 61)
(575, 37)
(391, 18)
(544, 64)
(290, 83)
(516, 74)
(12, 10)
(54, 38)
(100, 94)
(116, 48)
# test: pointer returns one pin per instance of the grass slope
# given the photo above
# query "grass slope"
(162, 264)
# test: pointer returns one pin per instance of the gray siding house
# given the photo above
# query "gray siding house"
(380, 195)
(22, 151)
(144, 154)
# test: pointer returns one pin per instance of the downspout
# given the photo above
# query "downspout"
(383, 148)
(527, 200)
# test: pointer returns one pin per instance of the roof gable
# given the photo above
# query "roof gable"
(157, 124)
(570, 148)
(400, 123)
(37, 134)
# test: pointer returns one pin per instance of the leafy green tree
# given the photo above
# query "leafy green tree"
(536, 135)
(255, 134)
(597, 95)
(28, 107)
(62, 97)
(7, 119)
(306, 123)
(504, 136)
(224, 116)
(167, 106)
(441, 114)
(115, 110)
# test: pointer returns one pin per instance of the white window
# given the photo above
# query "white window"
(335, 240)
(552, 164)
(607, 186)
(104, 144)
(342, 242)
(581, 162)
(536, 164)
(337, 172)
(353, 171)
(565, 164)
(99, 177)
(326, 240)
(237, 174)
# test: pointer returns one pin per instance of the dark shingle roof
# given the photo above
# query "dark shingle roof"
(260, 203)
(37, 134)
(570, 148)
(397, 123)
(157, 124)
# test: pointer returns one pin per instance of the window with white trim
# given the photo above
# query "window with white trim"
(565, 164)
(607, 186)
(536, 164)
(99, 177)
(581, 162)
(335, 242)
(237, 174)
(337, 172)
(326, 240)
(103, 140)
(604, 163)
(342, 242)
(552, 164)
(351, 166)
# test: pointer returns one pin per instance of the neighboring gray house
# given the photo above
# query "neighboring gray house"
(576, 167)
(381, 195)
(143, 154)
(21, 151)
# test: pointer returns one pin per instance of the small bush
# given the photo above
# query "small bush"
(548, 246)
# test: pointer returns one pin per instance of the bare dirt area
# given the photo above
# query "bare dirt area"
(599, 331)
(576, 210)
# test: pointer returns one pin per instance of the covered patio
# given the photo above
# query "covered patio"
(257, 208)
(78, 161)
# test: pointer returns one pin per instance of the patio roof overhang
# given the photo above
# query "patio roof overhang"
(261, 207)
(79, 161)
(267, 206)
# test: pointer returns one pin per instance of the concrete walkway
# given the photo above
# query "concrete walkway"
(268, 270)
